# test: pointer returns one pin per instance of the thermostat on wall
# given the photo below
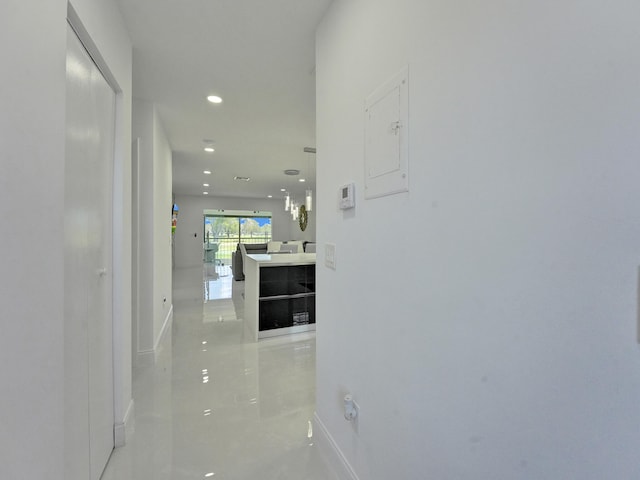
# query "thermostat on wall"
(348, 196)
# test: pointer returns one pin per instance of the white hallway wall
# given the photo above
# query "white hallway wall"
(502, 343)
(188, 237)
(33, 372)
(155, 173)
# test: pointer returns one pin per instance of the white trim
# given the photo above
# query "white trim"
(92, 49)
(276, 332)
(329, 450)
(121, 431)
(145, 358)
(149, 357)
(165, 327)
(237, 213)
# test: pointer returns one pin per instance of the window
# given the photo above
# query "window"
(223, 230)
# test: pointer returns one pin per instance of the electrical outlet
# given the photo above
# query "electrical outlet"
(355, 423)
(351, 411)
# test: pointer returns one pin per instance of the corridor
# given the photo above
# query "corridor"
(213, 405)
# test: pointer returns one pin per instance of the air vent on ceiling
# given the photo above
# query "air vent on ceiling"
(292, 171)
(242, 179)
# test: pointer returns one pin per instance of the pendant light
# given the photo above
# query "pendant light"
(288, 200)
(308, 200)
(308, 197)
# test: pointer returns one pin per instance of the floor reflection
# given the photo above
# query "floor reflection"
(218, 281)
(213, 402)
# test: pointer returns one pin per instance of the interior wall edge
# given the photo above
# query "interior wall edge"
(331, 452)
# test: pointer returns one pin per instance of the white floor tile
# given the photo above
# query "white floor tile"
(217, 406)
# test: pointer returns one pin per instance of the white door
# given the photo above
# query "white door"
(88, 231)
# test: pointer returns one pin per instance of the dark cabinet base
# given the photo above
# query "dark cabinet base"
(287, 312)
(286, 298)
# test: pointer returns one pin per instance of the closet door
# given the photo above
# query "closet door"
(88, 257)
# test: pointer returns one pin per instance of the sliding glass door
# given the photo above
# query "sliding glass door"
(222, 233)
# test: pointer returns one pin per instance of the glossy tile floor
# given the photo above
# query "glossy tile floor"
(212, 404)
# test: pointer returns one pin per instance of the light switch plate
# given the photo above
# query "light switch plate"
(330, 255)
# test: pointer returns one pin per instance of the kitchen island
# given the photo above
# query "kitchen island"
(280, 292)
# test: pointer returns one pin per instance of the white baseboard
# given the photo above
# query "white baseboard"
(147, 358)
(330, 451)
(165, 327)
(121, 431)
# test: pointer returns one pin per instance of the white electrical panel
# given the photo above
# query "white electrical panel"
(387, 138)
(347, 196)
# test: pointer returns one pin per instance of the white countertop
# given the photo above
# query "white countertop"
(268, 259)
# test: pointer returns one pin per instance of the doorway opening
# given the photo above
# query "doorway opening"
(222, 231)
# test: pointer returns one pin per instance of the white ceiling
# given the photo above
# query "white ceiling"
(259, 56)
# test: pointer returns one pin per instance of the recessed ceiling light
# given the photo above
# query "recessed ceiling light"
(205, 184)
(269, 196)
(214, 99)
(283, 189)
(301, 180)
(209, 149)
(207, 172)
(205, 193)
